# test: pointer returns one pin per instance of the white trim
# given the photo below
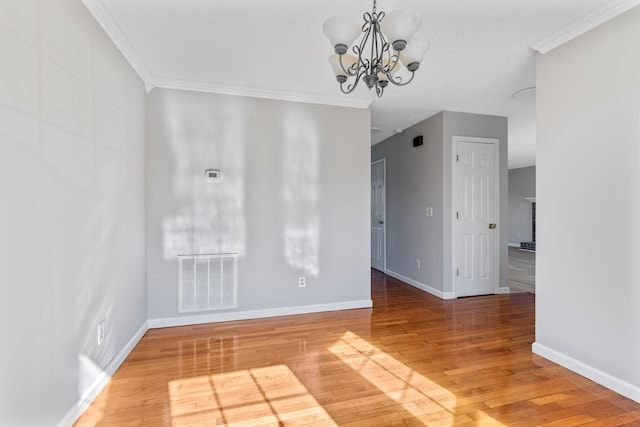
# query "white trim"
(514, 245)
(113, 366)
(102, 379)
(599, 16)
(614, 383)
(522, 287)
(454, 146)
(421, 286)
(104, 19)
(89, 395)
(118, 37)
(503, 290)
(167, 322)
(260, 93)
(384, 226)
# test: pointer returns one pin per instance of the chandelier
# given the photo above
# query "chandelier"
(386, 40)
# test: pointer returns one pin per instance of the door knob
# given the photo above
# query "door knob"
(492, 226)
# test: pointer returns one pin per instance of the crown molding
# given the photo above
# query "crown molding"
(586, 23)
(100, 14)
(115, 33)
(195, 86)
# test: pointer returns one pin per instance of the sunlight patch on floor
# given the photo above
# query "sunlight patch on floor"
(257, 396)
(425, 400)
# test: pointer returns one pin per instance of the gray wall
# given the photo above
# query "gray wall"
(420, 177)
(522, 184)
(413, 183)
(588, 210)
(72, 215)
(294, 200)
(481, 126)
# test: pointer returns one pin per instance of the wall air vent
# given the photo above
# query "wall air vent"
(207, 282)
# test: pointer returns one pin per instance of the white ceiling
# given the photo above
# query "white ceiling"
(480, 52)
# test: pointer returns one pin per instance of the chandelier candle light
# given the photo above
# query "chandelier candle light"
(387, 39)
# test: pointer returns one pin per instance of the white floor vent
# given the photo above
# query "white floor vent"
(207, 282)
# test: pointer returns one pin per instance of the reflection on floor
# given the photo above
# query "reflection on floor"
(411, 360)
(522, 270)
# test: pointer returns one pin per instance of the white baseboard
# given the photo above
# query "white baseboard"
(88, 396)
(503, 290)
(514, 245)
(255, 314)
(113, 366)
(522, 287)
(101, 380)
(614, 383)
(421, 286)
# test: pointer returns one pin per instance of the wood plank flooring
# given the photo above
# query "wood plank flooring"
(522, 270)
(412, 360)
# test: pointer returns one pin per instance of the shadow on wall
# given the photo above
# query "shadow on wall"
(92, 257)
(212, 216)
(300, 192)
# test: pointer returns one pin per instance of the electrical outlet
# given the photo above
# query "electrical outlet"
(429, 211)
(418, 264)
(101, 331)
(302, 282)
(518, 235)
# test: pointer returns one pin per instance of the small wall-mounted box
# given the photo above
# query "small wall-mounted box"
(418, 141)
(213, 175)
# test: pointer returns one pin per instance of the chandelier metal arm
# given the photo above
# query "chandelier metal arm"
(375, 54)
(398, 80)
(357, 49)
(349, 71)
(350, 88)
(362, 65)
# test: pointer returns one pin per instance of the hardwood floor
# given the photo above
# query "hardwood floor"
(522, 270)
(411, 360)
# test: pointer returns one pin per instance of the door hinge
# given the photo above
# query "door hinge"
(457, 157)
(457, 272)
(457, 215)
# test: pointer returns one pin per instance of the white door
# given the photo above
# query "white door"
(377, 214)
(475, 211)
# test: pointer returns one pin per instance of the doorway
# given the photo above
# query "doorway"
(522, 229)
(476, 208)
(378, 214)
